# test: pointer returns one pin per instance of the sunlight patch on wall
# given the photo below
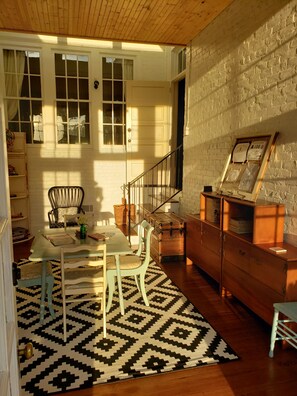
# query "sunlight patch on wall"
(63, 178)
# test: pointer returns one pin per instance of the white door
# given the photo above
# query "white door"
(148, 124)
(9, 369)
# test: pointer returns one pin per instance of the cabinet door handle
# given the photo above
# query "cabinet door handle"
(241, 252)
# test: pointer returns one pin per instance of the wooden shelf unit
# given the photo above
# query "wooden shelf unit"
(18, 185)
(211, 209)
(266, 219)
(241, 262)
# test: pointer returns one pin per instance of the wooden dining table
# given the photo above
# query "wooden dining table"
(43, 250)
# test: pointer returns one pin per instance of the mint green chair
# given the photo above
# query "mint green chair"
(132, 265)
(281, 329)
(83, 276)
(31, 275)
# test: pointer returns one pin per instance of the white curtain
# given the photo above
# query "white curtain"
(14, 65)
(128, 69)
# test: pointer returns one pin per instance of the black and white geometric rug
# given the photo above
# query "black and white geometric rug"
(168, 335)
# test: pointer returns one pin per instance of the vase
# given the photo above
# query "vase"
(83, 231)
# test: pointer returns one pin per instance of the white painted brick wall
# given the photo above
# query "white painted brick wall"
(242, 80)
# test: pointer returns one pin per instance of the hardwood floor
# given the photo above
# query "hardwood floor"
(254, 374)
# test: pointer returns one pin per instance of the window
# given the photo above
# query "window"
(72, 99)
(23, 96)
(115, 72)
(182, 60)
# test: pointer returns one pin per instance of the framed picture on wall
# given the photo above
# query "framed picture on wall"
(246, 166)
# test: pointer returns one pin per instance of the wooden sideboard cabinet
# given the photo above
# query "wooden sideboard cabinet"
(204, 235)
(257, 276)
(203, 246)
(230, 241)
(193, 237)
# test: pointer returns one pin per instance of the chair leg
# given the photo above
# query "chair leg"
(273, 332)
(111, 287)
(104, 315)
(136, 281)
(142, 289)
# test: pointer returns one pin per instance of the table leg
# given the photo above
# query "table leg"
(43, 288)
(49, 292)
(119, 280)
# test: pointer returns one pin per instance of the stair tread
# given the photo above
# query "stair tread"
(147, 206)
(164, 198)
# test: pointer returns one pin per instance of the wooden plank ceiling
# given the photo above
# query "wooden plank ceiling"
(172, 22)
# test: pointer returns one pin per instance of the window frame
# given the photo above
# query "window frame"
(113, 103)
(182, 60)
(28, 77)
(79, 101)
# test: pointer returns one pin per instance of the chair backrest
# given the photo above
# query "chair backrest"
(64, 200)
(83, 269)
(145, 230)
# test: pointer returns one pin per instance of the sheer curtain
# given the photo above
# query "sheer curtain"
(14, 65)
(128, 69)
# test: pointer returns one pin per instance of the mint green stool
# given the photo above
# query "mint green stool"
(280, 329)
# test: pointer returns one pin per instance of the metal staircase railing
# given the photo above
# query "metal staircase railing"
(149, 191)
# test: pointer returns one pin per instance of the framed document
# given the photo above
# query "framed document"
(246, 166)
(240, 151)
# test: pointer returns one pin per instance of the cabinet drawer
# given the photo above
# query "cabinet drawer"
(211, 238)
(269, 269)
(193, 230)
(193, 238)
(210, 262)
(253, 293)
(237, 252)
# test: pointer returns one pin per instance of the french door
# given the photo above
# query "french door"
(148, 106)
(9, 368)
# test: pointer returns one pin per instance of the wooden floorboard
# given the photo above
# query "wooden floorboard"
(254, 374)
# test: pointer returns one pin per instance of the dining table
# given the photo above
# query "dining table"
(43, 250)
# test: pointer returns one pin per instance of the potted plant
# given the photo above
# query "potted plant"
(83, 222)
